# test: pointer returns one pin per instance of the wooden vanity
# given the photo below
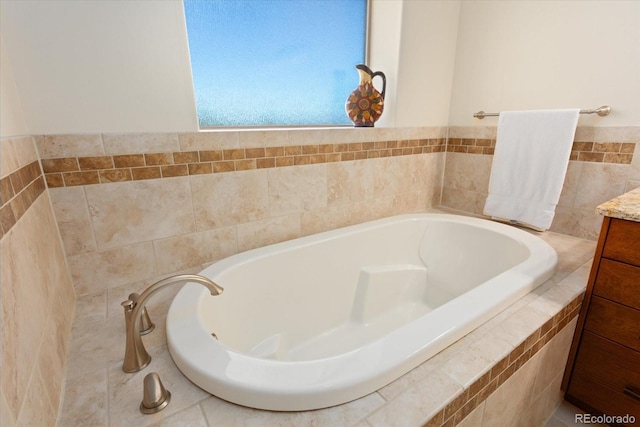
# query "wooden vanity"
(603, 369)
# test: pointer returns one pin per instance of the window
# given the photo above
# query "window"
(275, 62)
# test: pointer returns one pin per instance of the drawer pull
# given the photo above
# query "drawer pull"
(631, 392)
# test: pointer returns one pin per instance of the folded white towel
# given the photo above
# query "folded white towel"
(529, 165)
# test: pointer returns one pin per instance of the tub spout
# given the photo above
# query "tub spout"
(136, 357)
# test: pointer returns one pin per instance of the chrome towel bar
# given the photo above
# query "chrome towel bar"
(602, 111)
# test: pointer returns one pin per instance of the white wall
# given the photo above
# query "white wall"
(100, 66)
(426, 62)
(12, 122)
(414, 43)
(123, 66)
(548, 54)
(384, 52)
(116, 66)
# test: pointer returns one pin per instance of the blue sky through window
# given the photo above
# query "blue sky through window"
(274, 62)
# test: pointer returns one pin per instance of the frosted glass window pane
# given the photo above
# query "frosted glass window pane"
(274, 62)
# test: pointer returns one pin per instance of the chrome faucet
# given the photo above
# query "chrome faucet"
(136, 357)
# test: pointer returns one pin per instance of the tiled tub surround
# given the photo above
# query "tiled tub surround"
(118, 232)
(604, 163)
(506, 372)
(71, 171)
(37, 294)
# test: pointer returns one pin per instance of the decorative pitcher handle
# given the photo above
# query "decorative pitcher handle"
(384, 81)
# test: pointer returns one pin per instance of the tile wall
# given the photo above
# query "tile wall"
(37, 294)
(136, 207)
(604, 163)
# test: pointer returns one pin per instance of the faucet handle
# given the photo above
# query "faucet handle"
(146, 325)
(127, 305)
(155, 396)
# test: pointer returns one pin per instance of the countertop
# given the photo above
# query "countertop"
(626, 206)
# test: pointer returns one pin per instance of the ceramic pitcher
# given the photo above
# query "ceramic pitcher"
(365, 104)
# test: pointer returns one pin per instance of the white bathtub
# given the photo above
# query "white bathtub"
(325, 319)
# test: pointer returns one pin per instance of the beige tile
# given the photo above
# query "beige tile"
(480, 132)
(505, 405)
(600, 182)
(467, 172)
(554, 422)
(553, 358)
(632, 184)
(24, 307)
(464, 200)
(543, 404)
(132, 212)
(6, 417)
(392, 175)
(96, 271)
(297, 189)
(8, 158)
(349, 182)
(37, 409)
(474, 419)
(566, 414)
(190, 417)
(51, 295)
(405, 133)
(618, 134)
(91, 307)
(72, 215)
(268, 231)
(228, 199)
(263, 138)
(135, 143)
(408, 380)
(209, 140)
(326, 136)
(333, 217)
(99, 341)
(52, 359)
(515, 329)
(418, 403)
(553, 300)
(469, 365)
(219, 412)
(85, 401)
(574, 252)
(55, 146)
(125, 391)
(570, 185)
(193, 249)
(583, 223)
(402, 174)
(585, 134)
(25, 150)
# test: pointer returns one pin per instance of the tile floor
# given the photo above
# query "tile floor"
(565, 416)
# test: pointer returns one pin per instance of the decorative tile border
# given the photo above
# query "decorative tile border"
(598, 152)
(18, 191)
(479, 391)
(72, 171)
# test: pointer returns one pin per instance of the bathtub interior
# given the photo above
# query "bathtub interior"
(335, 295)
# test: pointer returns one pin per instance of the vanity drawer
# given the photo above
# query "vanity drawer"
(614, 321)
(608, 363)
(618, 282)
(623, 242)
(588, 390)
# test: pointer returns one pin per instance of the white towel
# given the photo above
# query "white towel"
(529, 165)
